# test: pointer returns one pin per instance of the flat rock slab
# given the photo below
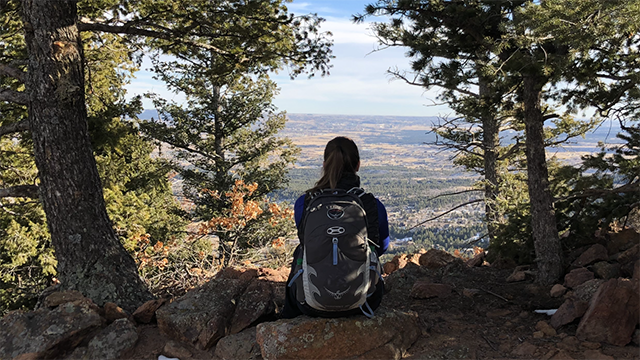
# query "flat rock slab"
(386, 336)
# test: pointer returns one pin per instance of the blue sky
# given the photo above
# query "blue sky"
(358, 83)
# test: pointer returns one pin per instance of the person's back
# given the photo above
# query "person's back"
(342, 230)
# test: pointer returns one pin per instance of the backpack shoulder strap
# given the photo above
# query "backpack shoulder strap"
(371, 209)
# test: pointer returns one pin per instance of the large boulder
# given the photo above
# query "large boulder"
(110, 343)
(230, 302)
(47, 333)
(386, 336)
(569, 311)
(613, 313)
(593, 254)
(622, 240)
(577, 276)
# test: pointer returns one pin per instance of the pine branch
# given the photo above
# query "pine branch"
(13, 96)
(628, 188)
(454, 193)
(14, 128)
(130, 29)
(8, 70)
(28, 191)
(445, 213)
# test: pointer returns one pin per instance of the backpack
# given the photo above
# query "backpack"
(337, 267)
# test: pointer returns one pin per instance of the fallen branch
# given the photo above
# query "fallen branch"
(8, 70)
(494, 294)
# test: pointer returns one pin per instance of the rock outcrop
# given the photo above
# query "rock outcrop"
(227, 304)
(47, 333)
(387, 336)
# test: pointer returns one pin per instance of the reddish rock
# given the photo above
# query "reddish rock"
(477, 260)
(622, 240)
(386, 336)
(113, 341)
(435, 259)
(227, 304)
(561, 355)
(590, 345)
(470, 292)
(546, 328)
(47, 333)
(398, 262)
(586, 290)
(389, 267)
(113, 312)
(526, 350)
(569, 311)
(577, 277)
(425, 290)
(239, 346)
(596, 355)
(256, 301)
(201, 317)
(613, 313)
(593, 254)
(273, 275)
(62, 297)
(630, 256)
(557, 290)
(569, 343)
(636, 270)
(174, 349)
(517, 276)
(604, 270)
(147, 312)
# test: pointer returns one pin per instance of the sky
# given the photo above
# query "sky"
(358, 83)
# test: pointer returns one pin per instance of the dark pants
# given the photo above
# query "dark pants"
(293, 308)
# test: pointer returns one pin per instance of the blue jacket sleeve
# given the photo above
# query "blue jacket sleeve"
(298, 209)
(383, 228)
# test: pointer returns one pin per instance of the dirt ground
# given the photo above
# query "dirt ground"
(491, 319)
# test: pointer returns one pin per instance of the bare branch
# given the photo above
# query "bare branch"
(446, 212)
(13, 96)
(8, 70)
(14, 128)
(28, 191)
(454, 193)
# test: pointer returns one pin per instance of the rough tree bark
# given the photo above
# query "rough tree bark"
(90, 256)
(490, 142)
(543, 220)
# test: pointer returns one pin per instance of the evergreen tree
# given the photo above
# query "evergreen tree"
(227, 132)
(90, 257)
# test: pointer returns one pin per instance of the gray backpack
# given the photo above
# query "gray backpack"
(338, 267)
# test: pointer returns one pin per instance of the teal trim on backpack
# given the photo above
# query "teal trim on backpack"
(299, 262)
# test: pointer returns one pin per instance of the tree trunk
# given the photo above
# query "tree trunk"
(490, 142)
(90, 256)
(543, 220)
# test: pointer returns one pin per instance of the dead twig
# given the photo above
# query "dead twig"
(494, 294)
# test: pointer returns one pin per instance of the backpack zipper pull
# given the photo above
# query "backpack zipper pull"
(335, 251)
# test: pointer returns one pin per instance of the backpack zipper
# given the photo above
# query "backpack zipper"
(335, 251)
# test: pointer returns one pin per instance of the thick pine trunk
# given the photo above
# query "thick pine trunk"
(543, 220)
(491, 142)
(90, 256)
